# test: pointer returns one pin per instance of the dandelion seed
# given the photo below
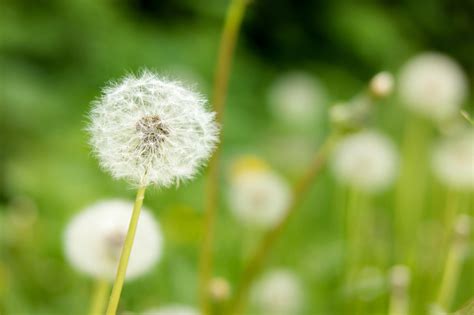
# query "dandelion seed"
(433, 85)
(453, 161)
(296, 98)
(149, 130)
(259, 197)
(279, 292)
(94, 239)
(366, 160)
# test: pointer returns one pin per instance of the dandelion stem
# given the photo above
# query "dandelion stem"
(221, 81)
(125, 255)
(255, 263)
(450, 277)
(99, 297)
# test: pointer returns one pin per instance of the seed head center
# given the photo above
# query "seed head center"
(152, 130)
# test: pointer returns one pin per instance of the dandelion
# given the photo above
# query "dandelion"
(453, 161)
(94, 239)
(433, 85)
(279, 292)
(173, 309)
(258, 197)
(381, 85)
(149, 130)
(366, 160)
(296, 98)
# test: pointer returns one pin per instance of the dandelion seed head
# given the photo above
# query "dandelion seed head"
(433, 85)
(259, 198)
(94, 239)
(151, 130)
(366, 160)
(278, 292)
(400, 276)
(453, 161)
(296, 98)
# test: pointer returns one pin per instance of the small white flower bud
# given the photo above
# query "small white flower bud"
(219, 289)
(150, 130)
(382, 84)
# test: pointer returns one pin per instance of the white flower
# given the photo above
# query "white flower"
(259, 197)
(453, 161)
(381, 84)
(94, 239)
(149, 130)
(433, 85)
(366, 160)
(278, 292)
(174, 309)
(296, 98)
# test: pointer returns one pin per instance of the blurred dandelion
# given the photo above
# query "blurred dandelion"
(399, 285)
(297, 98)
(94, 238)
(366, 160)
(278, 292)
(433, 85)
(258, 197)
(381, 85)
(453, 161)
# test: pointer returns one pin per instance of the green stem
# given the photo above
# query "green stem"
(221, 81)
(450, 276)
(253, 267)
(125, 255)
(99, 297)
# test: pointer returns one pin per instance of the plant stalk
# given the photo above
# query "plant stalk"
(221, 81)
(125, 255)
(99, 297)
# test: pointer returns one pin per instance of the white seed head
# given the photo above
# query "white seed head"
(453, 161)
(400, 276)
(366, 160)
(433, 85)
(94, 239)
(259, 198)
(219, 289)
(149, 130)
(173, 309)
(296, 98)
(278, 292)
(382, 84)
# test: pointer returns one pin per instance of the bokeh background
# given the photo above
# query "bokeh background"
(56, 55)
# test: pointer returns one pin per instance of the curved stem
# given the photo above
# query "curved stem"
(125, 255)
(263, 249)
(99, 297)
(221, 81)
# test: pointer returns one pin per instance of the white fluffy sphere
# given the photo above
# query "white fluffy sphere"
(453, 161)
(259, 198)
(366, 160)
(296, 98)
(278, 292)
(174, 309)
(94, 239)
(433, 85)
(150, 130)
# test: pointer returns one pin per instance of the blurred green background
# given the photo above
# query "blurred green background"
(56, 55)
